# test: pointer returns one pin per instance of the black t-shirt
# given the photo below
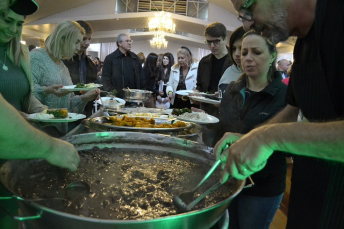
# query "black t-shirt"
(216, 70)
(315, 86)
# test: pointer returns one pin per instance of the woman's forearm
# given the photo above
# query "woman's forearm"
(18, 139)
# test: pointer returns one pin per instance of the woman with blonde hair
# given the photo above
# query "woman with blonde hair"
(183, 77)
(50, 74)
(16, 81)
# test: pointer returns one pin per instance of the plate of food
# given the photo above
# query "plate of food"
(206, 99)
(184, 92)
(81, 87)
(111, 102)
(134, 110)
(198, 117)
(149, 115)
(55, 115)
(122, 122)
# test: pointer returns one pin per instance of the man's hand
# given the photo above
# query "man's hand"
(246, 155)
(64, 155)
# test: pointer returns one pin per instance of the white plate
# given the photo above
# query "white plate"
(106, 101)
(201, 93)
(210, 119)
(204, 100)
(72, 88)
(184, 92)
(72, 117)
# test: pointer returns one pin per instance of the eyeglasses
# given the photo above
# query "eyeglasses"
(215, 42)
(244, 13)
(128, 41)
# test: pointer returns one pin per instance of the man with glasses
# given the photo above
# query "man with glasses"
(122, 68)
(316, 88)
(210, 70)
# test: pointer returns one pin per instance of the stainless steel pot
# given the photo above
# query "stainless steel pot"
(136, 94)
(49, 218)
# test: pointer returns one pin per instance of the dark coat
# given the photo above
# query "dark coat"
(204, 76)
(204, 71)
(73, 67)
(112, 77)
(240, 116)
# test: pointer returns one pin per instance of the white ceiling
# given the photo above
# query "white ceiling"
(107, 24)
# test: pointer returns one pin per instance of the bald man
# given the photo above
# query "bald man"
(283, 66)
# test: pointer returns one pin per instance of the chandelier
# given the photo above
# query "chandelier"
(161, 24)
(158, 41)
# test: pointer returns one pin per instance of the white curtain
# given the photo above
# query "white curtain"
(106, 49)
(202, 53)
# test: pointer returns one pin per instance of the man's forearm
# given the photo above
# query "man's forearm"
(320, 140)
(288, 114)
(18, 139)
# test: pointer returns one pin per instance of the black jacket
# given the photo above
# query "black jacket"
(73, 67)
(241, 116)
(204, 77)
(151, 80)
(112, 77)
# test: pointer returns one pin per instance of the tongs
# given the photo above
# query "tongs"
(185, 202)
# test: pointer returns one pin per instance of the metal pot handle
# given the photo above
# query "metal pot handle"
(19, 218)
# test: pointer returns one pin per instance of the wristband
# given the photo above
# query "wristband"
(170, 92)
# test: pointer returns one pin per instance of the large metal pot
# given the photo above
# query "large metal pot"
(49, 218)
(136, 94)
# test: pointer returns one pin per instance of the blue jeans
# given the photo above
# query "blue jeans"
(253, 212)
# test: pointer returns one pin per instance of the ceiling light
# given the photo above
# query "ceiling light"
(158, 41)
(161, 24)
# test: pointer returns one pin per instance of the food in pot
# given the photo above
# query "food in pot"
(125, 184)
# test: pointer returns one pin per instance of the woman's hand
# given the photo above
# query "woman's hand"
(55, 89)
(90, 95)
(194, 109)
(170, 94)
(158, 98)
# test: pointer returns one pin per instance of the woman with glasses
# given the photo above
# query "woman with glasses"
(254, 98)
(50, 74)
(183, 77)
(163, 77)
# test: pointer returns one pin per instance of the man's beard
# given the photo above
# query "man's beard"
(276, 29)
